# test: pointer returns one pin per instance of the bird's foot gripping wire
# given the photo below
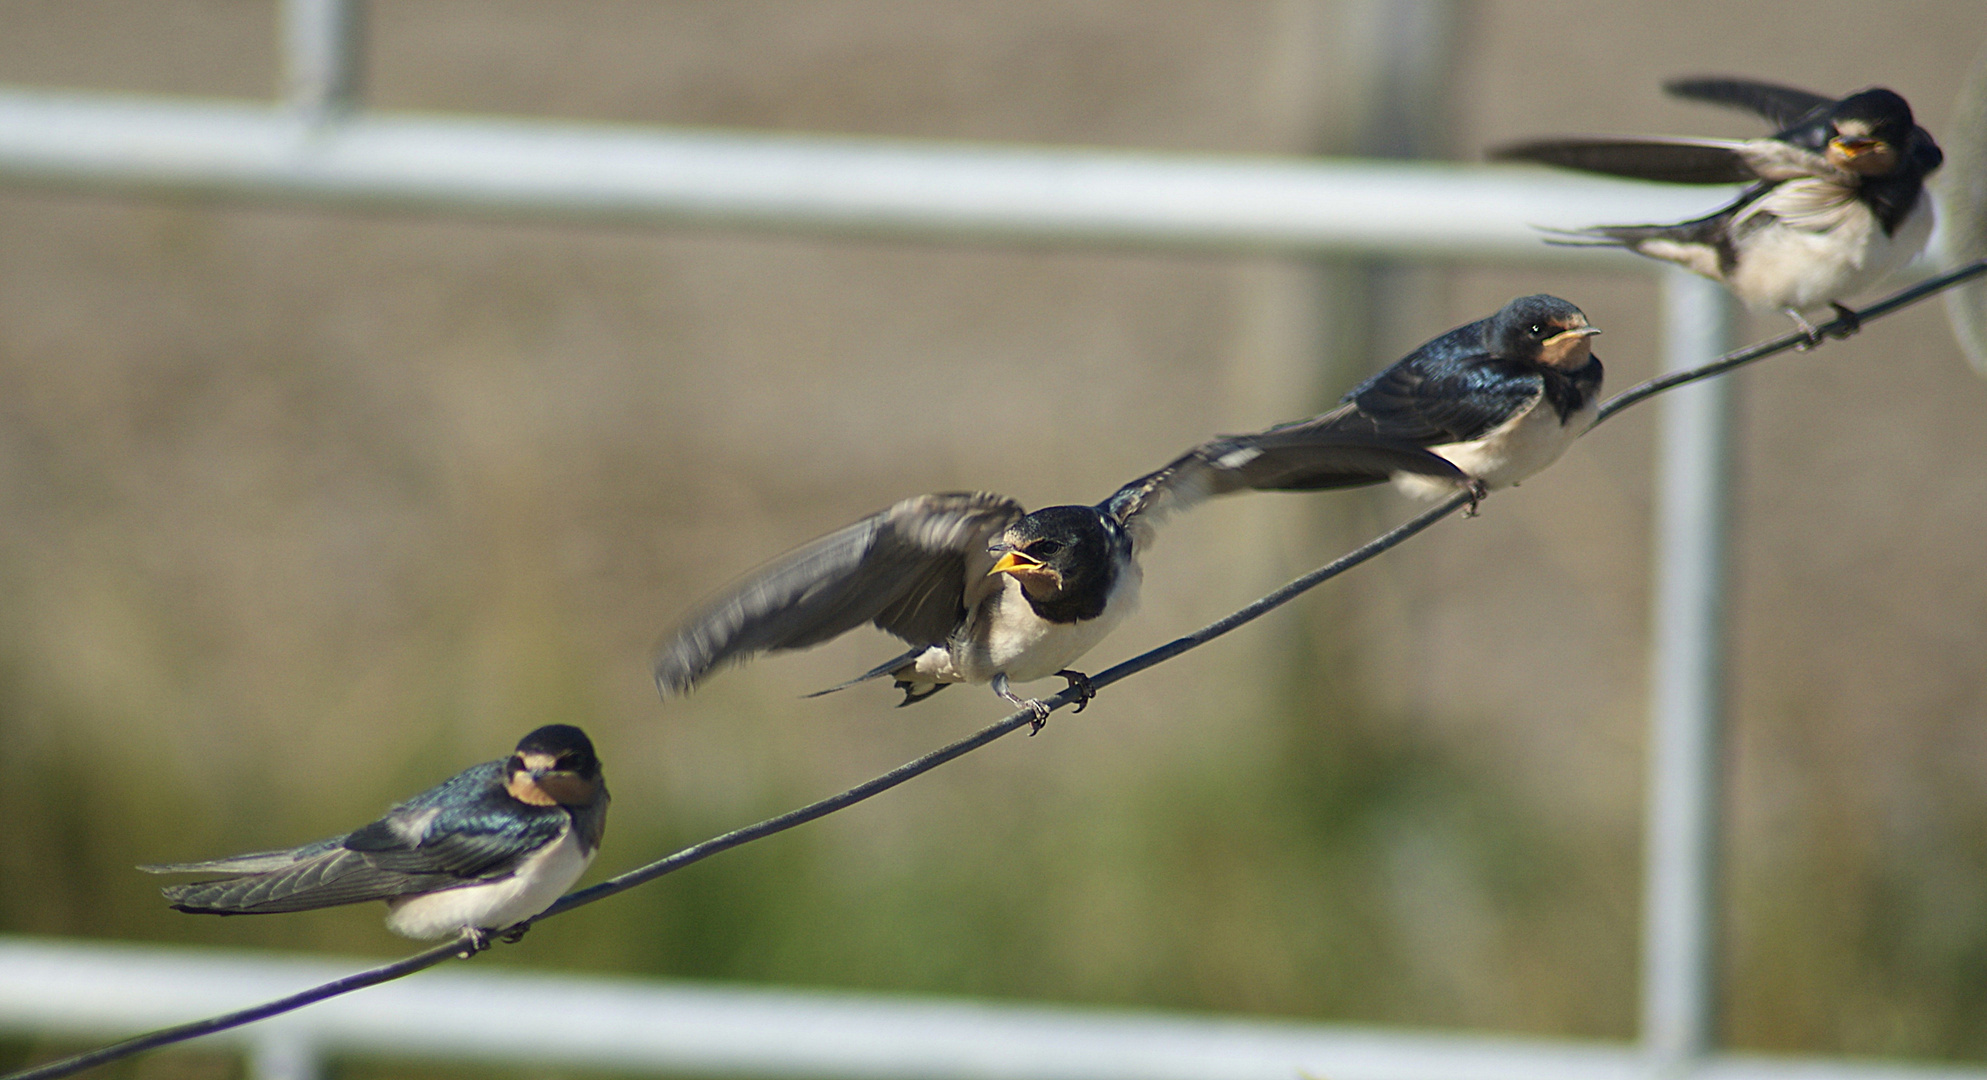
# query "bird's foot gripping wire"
(1034, 705)
(475, 939)
(515, 934)
(1477, 489)
(1080, 683)
(1851, 321)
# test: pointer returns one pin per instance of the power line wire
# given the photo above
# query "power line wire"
(1838, 328)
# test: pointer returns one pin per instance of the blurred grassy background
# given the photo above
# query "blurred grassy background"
(301, 512)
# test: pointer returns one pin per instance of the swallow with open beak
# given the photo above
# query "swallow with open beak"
(983, 591)
(476, 855)
(1836, 200)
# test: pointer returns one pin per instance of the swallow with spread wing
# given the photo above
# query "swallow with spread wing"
(983, 591)
(1836, 200)
(477, 854)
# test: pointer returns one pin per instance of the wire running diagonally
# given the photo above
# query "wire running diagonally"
(1023, 718)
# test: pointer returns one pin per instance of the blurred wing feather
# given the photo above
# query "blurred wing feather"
(1677, 161)
(905, 569)
(1782, 106)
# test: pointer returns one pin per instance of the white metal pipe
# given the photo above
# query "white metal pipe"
(278, 1051)
(1686, 680)
(465, 1015)
(935, 190)
(321, 57)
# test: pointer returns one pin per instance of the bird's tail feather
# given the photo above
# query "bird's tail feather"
(255, 862)
(888, 667)
(1597, 236)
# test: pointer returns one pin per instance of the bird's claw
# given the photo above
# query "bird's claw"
(1041, 711)
(1080, 683)
(475, 939)
(1851, 321)
(1477, 491)
(1034, 705)
(515, 934)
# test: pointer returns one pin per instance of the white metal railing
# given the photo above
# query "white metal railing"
(319, 148)
(460, 1015)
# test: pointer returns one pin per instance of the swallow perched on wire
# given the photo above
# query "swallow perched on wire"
(477, 854)
(1497, 399)
(983, 591)
(1837, 198)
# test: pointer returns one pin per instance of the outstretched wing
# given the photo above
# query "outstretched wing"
(1676, 161)
(459, 832)
(1299, 457)
(1783, 106)
(906, 569)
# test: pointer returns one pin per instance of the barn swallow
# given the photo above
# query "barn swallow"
(981, 590)
(1497, 400)
(1837, 198)
(477, 854)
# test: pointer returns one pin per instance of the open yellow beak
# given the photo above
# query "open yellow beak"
(1028, 569)
(1016, 563)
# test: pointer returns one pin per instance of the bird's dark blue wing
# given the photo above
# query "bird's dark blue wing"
(1287, 458)
(461, 830)
(1436, 405)
(1789, 110)
(1670, 161)
(466, 827)
(1447, 391)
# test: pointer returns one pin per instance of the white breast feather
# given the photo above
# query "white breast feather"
(1512, 451)
(1006, 636)
(541, 878)
(1818, 243)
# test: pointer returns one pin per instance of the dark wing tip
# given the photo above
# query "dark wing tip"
(1782, 106)
(1670, 161)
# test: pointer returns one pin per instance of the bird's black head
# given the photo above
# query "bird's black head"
(554, 765)
(1062, 553)
(1541, 329)
(1870, 128)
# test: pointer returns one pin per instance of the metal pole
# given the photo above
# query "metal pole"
(282, 1052)
(1686, 686)
(321, 56)
(926, 190)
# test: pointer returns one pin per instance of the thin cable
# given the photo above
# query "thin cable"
(1840, 327)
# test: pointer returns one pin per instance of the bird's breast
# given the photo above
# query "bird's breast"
(1803, 248)
(1007, 636)
(539, 879)
(1531, 439)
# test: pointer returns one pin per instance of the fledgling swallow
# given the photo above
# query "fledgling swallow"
(1496, 400)
(983, 591)
(1837, 198)
(475, 855)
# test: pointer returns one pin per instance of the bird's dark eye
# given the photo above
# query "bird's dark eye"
(1043, 549)
(1538, 330)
